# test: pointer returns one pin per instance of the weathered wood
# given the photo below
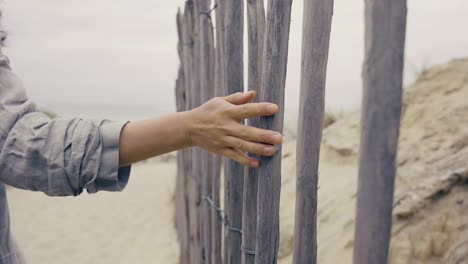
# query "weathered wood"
(180, 106)
(234, 172)
(183, 186)
(315, 45)
(213, 161)
(207, 92)
(256, 34)
(177, 202)
(181, 202)
(180, 35)
(198, 162)
(382, 78)
(216, 217)
(273, 84)
(191, 91)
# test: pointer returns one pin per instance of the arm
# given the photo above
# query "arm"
(64, 156)
(215, 126)
(56, 156)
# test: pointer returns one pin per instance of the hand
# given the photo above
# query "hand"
(216, 127)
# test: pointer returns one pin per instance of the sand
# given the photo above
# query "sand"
(430, 218)
(135, 226)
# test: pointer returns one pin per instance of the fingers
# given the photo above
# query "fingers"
(240, 98)
(240, 157)
(251, 147)
(250, 110)
(257, 135)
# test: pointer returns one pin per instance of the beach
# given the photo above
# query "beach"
(135, 226)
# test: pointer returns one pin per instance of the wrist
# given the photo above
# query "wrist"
(188, 128)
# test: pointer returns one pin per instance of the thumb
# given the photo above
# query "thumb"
(240, 98)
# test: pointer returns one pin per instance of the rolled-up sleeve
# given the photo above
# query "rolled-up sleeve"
(111, 177)
(60, 156)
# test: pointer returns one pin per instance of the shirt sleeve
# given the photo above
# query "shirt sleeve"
(60, 157)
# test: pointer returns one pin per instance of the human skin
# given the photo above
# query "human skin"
(215, 126)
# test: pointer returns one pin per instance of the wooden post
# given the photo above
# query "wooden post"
(207, 92)
(273, 84)
(234, 172)
(181, 203)
(179, 156)
(216, 216)
(382, 78)
(180, 217)
(315, 46)
(256, 36)
(192, 94)
(180, 103)
(183, 186)
(199, 156)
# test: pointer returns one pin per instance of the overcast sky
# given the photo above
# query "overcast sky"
(124, 51)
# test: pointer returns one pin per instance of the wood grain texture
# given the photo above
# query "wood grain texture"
(180, 35)
(256, 34)
(187, 50)
(198, 164)
(182, 217)
(273, 84)
(179, 181)
(385, 31)
(207, 92)
(315, 45)
(193, 188)
(234, 172)
(181, 206)
(216, 217)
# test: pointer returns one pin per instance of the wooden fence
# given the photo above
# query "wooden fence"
(211, 64)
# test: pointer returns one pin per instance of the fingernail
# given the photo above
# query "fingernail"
(272, 108)
(277, 138)
(269, 150)
(254, 164)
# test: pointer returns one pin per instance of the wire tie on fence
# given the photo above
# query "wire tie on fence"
(248, 251)
(212, 205)
(233, 229)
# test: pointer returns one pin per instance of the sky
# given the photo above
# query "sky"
(123, 52)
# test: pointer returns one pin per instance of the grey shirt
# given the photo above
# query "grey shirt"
(59, 157)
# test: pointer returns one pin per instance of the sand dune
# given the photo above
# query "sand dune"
(431, 199)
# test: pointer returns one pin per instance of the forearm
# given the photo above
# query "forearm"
(215, 126)
(152, 137)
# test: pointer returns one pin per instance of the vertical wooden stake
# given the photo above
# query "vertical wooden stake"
(273, 84)
(315, 46)
(234, 172)
(192, 91)
(220, 90)
(207, 92)
(256, 37)
(198, 163)
(182, 215)
(382, 79)
(181, 203)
